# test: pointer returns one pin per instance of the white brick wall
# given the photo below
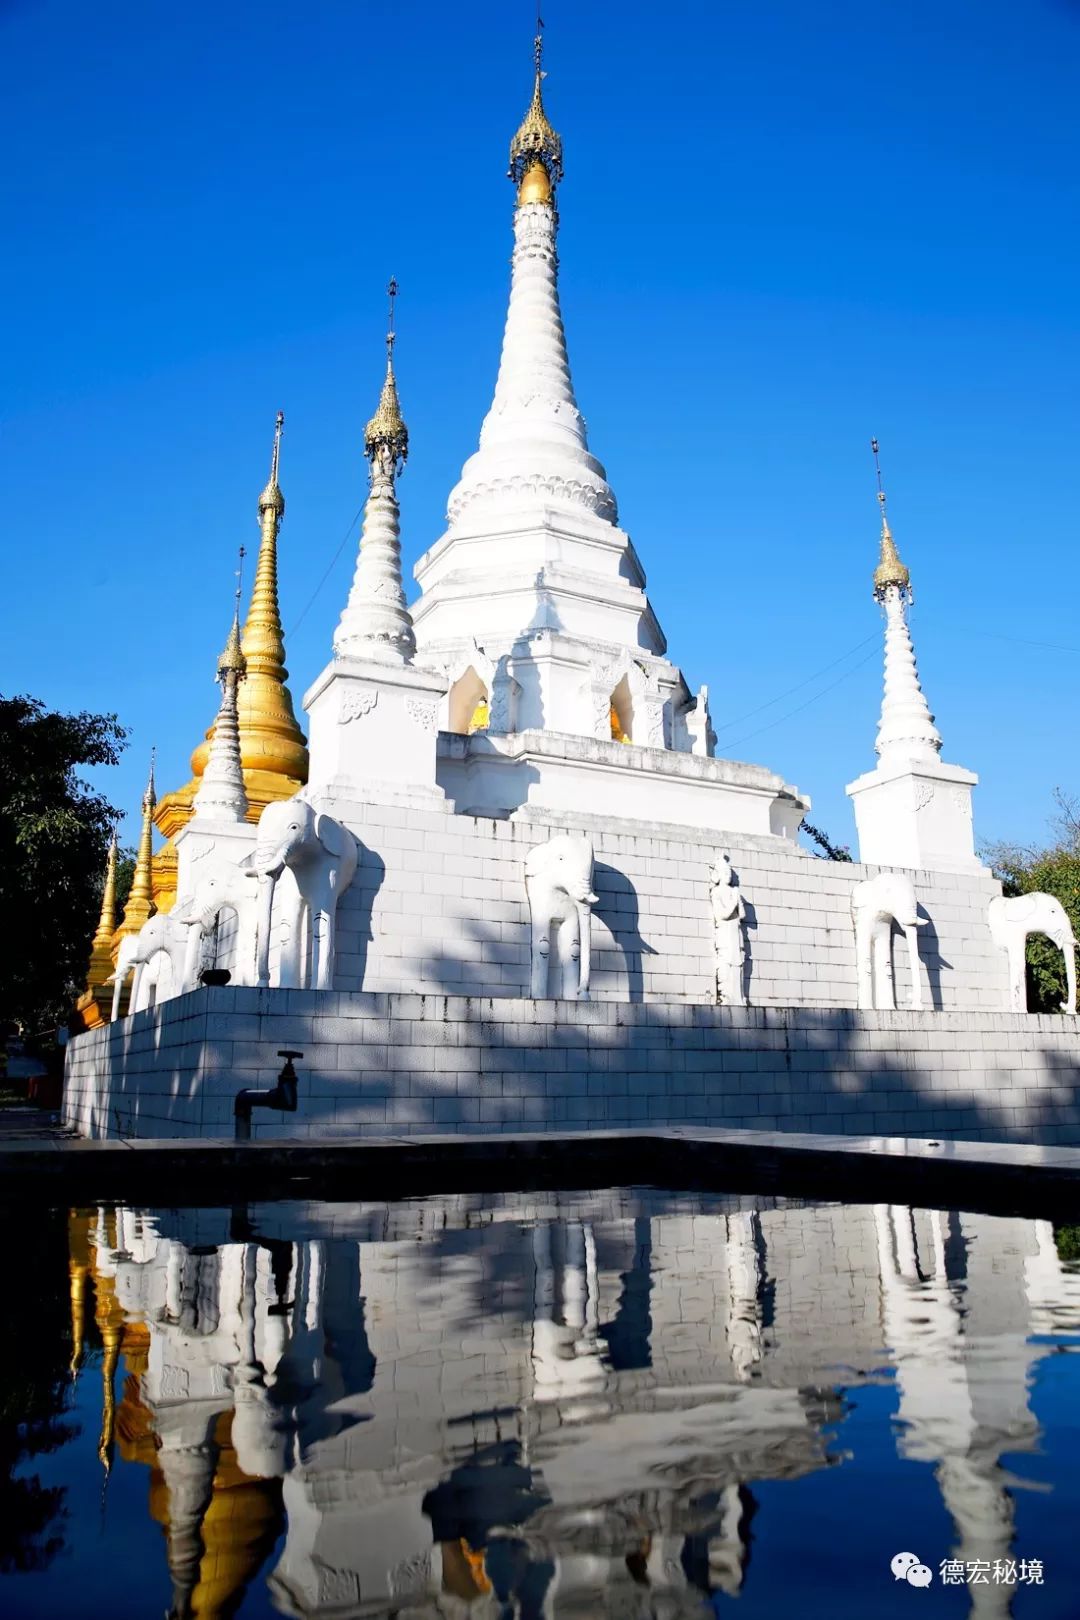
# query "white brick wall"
(390, 1064)
(439, 905)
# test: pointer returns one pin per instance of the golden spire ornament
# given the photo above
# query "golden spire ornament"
(101, 962)
(386, 430)
(890, 570)
(140, 902)
(536, 164)
(272, 746)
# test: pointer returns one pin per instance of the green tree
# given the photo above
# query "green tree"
(1052, 870)
(826, 849)
(54, 838)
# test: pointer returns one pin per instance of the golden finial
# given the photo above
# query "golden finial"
(271, 496)
(232, 660)
(536, 164)
(890, 570)
(387, 430)
(149, 798)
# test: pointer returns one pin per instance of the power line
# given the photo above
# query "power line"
(1020, 641)
(329, 570)
(807, 681)
(750, 735)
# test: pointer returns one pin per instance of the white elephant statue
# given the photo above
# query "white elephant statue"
(170, 932)
(1012, 920)
(233, 889)
(558, 882)
(877, 903)
(320, 856)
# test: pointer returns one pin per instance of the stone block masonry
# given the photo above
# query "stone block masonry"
(381, 1064)
(438, 904)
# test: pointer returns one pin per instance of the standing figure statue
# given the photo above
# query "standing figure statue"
(729, 935)
(558, 882)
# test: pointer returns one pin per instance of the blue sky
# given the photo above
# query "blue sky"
(784, 228)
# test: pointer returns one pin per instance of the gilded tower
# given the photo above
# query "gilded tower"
(273, 749)
(94, 1005)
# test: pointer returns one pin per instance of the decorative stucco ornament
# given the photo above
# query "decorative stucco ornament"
(1012, 920)
(558, 882)
(729, 913)
(876, 904)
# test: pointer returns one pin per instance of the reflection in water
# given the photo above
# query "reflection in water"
(556, 1406)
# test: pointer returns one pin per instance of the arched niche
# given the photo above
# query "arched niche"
(468, 703)
(622, 712)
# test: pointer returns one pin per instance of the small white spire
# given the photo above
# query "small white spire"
(221, 795)
(376, 623)
(906, 731)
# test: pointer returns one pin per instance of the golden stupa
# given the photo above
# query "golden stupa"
(95, 1003)
(273, 749)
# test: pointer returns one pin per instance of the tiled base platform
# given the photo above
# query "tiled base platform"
(393, 1064)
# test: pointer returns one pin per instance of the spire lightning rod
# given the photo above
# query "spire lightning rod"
(391, 294)
(276, 452)
(538, 44)
(877, 469)
(240, 577)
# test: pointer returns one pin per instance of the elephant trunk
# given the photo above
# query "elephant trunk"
(1069, 946)
(585, 947)
(266, 908)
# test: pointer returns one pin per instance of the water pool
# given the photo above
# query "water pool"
(625, 1402)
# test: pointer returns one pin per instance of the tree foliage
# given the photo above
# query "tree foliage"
(828, 850)
(1052, 870)
(54, 838)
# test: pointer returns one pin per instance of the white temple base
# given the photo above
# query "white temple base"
(916, 816)
(208, 848)
(493, 776)
(373, 725)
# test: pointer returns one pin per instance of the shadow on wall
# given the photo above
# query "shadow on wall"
(617, 908)
(750, 923)
(354, 928)
(933, 963)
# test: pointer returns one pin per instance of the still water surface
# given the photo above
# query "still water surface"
(626, 1403)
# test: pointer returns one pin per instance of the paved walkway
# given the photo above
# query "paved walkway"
(23, 1123)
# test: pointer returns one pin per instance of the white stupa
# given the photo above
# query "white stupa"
(533, 604)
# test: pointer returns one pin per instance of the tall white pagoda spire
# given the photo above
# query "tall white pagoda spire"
(533, 441)
(221, 796)
(911, 809)
(375, 623)
(533, 570)
(906, 730)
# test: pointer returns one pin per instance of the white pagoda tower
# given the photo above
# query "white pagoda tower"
(533, 602)
(911, 810)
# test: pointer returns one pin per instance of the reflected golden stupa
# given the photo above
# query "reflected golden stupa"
(214, 1554)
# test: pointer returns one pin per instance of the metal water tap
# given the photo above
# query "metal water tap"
(282, 1096)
